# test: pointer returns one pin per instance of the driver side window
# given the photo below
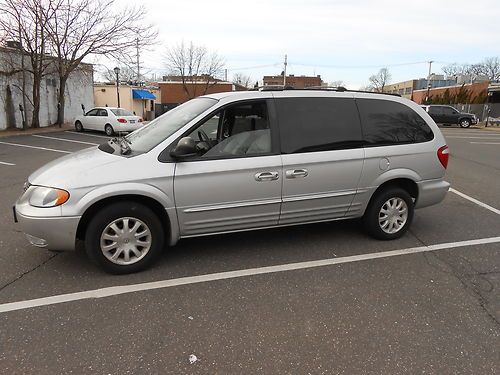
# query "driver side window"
(239, 129)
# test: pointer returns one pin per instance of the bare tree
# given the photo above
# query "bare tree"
(454, 70)
(25, 22)
(379, 80)
(489, 67)
(338, 83)
(194, 65)
(127, 74)
(80, 28)
(243, 80)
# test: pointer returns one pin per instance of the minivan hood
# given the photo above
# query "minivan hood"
(70, 170)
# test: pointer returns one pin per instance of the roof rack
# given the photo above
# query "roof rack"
(317, 88)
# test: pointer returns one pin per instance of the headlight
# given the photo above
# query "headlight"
(45, 197)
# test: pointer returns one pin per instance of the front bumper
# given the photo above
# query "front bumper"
(53, 233)
(431, 192)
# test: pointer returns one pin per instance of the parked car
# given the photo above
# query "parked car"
(240, 161)
(445, 114)
(110, 120)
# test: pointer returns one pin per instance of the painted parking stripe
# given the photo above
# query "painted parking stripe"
(35, 147)
(495, 137)
(89, 135)
(124, 289)
(5, 163)
(485, 143)
(65, 139)
(474, 200)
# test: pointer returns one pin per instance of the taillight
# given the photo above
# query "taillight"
(122, 120)
(443, 155)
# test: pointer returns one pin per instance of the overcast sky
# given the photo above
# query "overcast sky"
(344, 40)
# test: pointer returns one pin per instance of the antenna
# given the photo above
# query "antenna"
(284, 73)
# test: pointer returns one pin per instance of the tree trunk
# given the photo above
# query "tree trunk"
(35, 119)
(61, 100)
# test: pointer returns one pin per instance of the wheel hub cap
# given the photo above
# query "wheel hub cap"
(126, 240)
(393, 215)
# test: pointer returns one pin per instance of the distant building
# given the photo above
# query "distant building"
(477, 91)
(141, 100)
(298, 82)
(406, 88)
(173, 91)
(78, 91)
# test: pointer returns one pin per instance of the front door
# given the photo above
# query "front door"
(322, 157)
(235, 181)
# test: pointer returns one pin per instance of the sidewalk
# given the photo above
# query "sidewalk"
(46, 129)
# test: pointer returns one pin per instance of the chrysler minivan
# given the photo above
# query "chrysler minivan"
(240, 161)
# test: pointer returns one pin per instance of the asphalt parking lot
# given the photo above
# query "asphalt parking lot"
(312, 299)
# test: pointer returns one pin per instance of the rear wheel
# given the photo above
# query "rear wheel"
(124, 237)
(389, 214)
(108, 129)
(464, 123)
(78, 126)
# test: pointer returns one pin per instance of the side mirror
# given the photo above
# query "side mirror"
(186, 147)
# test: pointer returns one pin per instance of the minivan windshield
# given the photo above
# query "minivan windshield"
(152, 134)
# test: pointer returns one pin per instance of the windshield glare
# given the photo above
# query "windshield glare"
(152, 134)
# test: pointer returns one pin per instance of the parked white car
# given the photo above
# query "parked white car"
(110, 120)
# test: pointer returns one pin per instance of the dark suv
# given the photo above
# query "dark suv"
(445, 114)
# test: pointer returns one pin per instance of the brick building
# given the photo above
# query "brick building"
(477, 91)
(173, 91)
(298, 82)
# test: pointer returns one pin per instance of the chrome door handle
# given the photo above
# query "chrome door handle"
(266, 176)
(295, 173)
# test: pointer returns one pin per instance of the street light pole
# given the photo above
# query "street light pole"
(117, 72)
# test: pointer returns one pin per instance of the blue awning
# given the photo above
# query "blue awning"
(143, 94)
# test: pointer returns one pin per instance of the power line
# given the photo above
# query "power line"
(360, 66)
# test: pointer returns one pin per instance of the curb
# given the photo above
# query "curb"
(47, 129)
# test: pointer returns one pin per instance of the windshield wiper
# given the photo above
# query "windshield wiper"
(124, 144)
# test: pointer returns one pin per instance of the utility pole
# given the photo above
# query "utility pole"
(284, 73)
(428, 83)
(138, 63)
(225, 75)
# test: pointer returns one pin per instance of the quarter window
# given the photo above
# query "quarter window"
(388, 123)
(318, 124)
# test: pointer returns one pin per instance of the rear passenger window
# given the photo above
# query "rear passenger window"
(318, 124)
(388, 123)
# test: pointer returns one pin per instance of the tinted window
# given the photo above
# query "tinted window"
(449, 111)
(386, 122)
(92, 112)
(318, 124)
(103, 112)
(435, 110)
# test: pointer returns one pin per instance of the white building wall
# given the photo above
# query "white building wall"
(79, 90)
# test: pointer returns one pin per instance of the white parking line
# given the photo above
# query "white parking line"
(36, 147)
(495, 137)
(5, 163)
(90, 135)
(123, 289)
(485, 143)
(66, 140)
(474, 200)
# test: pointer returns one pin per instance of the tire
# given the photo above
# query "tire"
(79, 126)
(108, 129)
(389, 199)
(464, 123)
(142, 251)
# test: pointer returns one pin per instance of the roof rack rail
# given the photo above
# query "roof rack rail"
(318, 88)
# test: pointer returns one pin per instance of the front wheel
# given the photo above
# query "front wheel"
(108, 129)
(124, 237)
(464, 123)
(389, 214)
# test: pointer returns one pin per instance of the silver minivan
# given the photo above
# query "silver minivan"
(239, 161)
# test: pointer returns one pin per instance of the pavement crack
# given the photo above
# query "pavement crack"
(474, 282)
(52, 256)
(417, 237)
